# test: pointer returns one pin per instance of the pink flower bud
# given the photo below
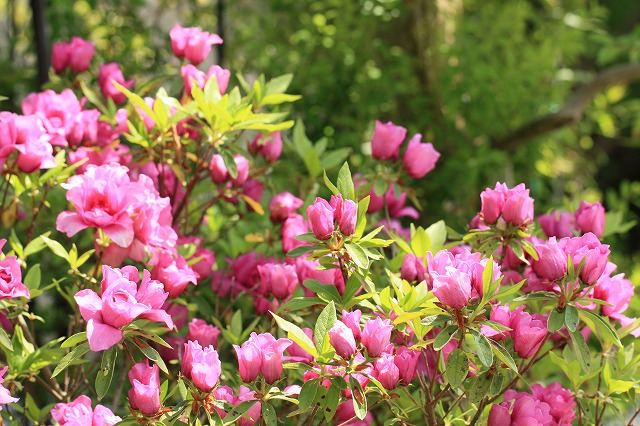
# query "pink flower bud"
(492, 202)
(348, 217)
(419, 158)
(594, 253)
(352, 320)
(277, 279)
(201, 365)
(552, 262)
(81, 53)
(283, 205)
(376, 336)
(591, 218)
(499, 415)
(107, 74)
(336, 202)
(412, 269)
(518, 206)
(270, 146)
(557, 224)
(272, 352)
(320, 217)
(249, 361)
(144, 395)
(203, 333)
(292, 227)
(60, 54)
(386, 140)
(528, 333)
(218, 170)
(11, 285)
(191, 74)
(342, 340)
(192, 43)
(453, 288)
(407, 362)
(386, 371)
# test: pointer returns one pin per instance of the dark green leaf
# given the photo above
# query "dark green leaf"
(581, 350)
(76, 353)
(457, 368)
(555, 321)
(600, 327)
(107, 368)
(153, 355)
(307, 394)
(325, 321)
(299, 251)
(444, 337)
(571, 317)
(483, 348)
(359, 398)
(345, 183)
(333, 396)
(503, 355)
(269, 414)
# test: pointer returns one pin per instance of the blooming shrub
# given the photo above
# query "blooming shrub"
(163, 267)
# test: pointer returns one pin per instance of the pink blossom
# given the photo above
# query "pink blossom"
(386, 140)
(589, 249)
(419, 158)
(453, 288)
(11, 285)
(98, 156)
(561, 402)
(297, 354)
(591, 218)
(191, 74)
(203, 333)
(262, 353)
(174, 272)
(552, 262)
(376, 336)
(283, 205)
(220, 174)
(395, 205)
(79, 413)
(192, 43)
(346, 411)
(518, 206)
(293, 226)
(352, 320)
(60, 54)
(5, 396)
(407, 362)
(320, 217)
(558, 224)
(108, 74)
(27, 135)
(528, 333)
(269, 146)
(412, 269)
(80, 54)
(144, 394)
(386, 371)
(342, 339)
(617, 291)
(278, 279)
(201, 365)
(121, 302)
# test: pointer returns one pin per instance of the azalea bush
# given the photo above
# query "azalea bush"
(161, 266)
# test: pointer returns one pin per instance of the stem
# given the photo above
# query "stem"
(36, 212)
(456, 402)
(634, 417)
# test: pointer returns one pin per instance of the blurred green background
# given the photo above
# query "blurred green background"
(465, 73)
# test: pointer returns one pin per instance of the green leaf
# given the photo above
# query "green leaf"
(105, 374)
(444, 337)
(229, 162)
(503, 355)
(361, 222)
(325, 321)
(571, 317)
(269, 414)
(420, 242)
(333, 396)
(296, 334)
(74, 340)
(380, 186)
(437, 233)
(480, 388)
(278, 84)
(305, 150)
(153, 355)
(32, 280)
(239, 411)
(76, 353)
(298, 303)
(345, 183)
(483, 348)
(330, 184)
(56, 247)
(327, 290)
(299, 251)
(34, 247)
(556, 320)
(136, 100)
(580, 349)
(5, 340)
(335, 157)
(487, 278)
(307, 394)
(457, 368)
(279, 98)
(358, 255)
(600, 327)
(359, 398)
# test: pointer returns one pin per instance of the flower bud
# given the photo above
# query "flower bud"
(552, 261)
(528, 333)
(201, 365)
(412, 269)
(419, 158)
(352, 320)
(342, 340)
(283, 205)
(407, 362)
(386, 140)
(277, 279)
(591, 218)
(81, 53)
(203, 333)
(144, 395)
(348, 217)
(492, 202)
(386, 371)
(518, 206)
(320, 217)
(376, 336)
(452, 288)
(60, 54)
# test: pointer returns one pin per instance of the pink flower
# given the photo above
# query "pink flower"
(297, 353)
(492, 202)
(283, 205)
(591, 218)
(594, 253)
(453, 288)
(203, 333)
(342, 339)
(552, 262)
(269, 146)
(419, 158)
(80, 54)
(191, 74)
(278, 279)
(11, 285)
(262, 353)
(201, 365)
(407, 362)
(558, 224)
(501, 315)
(320, 217)
(386, 140)
(395, 206)
(386, 371)
(102, 197)
(225, 393)
(376, 336)
(412, 269)
(528, 333)
(121, 302)
(144, 394)
(346, 411)
(518, 206)
(99, 156)
(5, 396)
(293, 226)
(352, 320)
(60, 54)
(220, 174)
(617, 291)
(174, 272)
(249, 360)
(348, 217)
(79, 413)
(561, 402)
(107, 74)
(192, 43)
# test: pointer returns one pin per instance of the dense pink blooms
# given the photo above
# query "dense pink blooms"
(201, 365)
(524, 411)
(342, 339)
(109, 73)
(558, 224)
(192, 43)
(101, 197)
(11, 285)
(262, 353)
(79, 413)
(452, 288)
(283, 205)
(514, 205)
(191, 74)
(76, 55)
(588, 248)
(98, 156)
(617, 291)
(278, 279)
(27, 135)
(590, 218)
(206, 258)
(121, 302)
(144, 394)
(320, 217)
(203, 333)
(419, 158)
(225, 393)
(376, 336)
(386, 140)
(561, 402)
(386, 371)
(269, 146)
(552, 262)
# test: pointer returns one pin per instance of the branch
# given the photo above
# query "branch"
(572, 111)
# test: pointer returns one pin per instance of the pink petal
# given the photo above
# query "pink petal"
(102, 336)
(90, 304)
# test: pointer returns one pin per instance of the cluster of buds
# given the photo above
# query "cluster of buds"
(324, 216)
